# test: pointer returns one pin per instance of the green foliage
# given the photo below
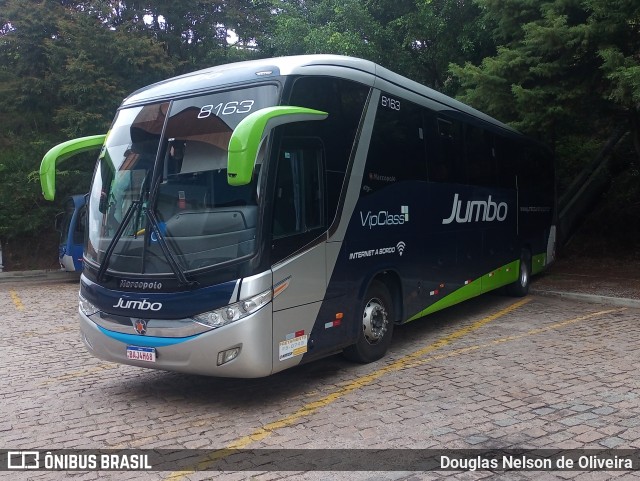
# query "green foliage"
(94, 68)
(344, 27)
(541, 75)
(417, 38)
(436, 33)
(574, 151)
(64, 68)
(22, 207)
(565, 71)
(624, 74)
(66, 65)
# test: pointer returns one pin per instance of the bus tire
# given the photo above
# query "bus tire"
(520, 288)
(376, 330)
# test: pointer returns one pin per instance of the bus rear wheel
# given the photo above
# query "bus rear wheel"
(376, 329)
(520, 288)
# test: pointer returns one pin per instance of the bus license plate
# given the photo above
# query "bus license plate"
(146, 354)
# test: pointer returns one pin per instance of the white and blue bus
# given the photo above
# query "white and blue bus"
(251, 217)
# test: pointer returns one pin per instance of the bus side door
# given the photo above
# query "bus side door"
(298, 247)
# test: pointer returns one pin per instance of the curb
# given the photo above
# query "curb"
(593, 298)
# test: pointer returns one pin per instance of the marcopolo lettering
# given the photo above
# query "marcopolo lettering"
(383, 218)
(477, 211)
(143, 305)
(143, 285)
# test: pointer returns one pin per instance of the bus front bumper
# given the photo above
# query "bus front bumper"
(198, 354)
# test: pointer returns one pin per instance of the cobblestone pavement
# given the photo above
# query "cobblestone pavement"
(601, 278)
(494, 372)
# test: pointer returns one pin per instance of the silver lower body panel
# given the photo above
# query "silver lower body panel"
(198, 354)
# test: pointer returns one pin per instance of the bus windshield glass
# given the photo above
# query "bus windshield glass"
(168, 161)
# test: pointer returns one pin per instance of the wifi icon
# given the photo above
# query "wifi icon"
(401, 245)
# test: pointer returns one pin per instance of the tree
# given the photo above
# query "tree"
(343, 27)
(616, 25)
(568, 72)
(64, 73)
(439, 32)
(24, 98)
(194, 34)
(92, 68)
(416, 38)
(567, 69)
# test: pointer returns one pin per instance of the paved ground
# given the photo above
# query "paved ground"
(602, 278)
(492, 373)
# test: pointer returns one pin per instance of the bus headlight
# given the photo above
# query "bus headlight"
(86, 307)
(234, 312)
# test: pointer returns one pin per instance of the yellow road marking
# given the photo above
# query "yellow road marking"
(310, 408)
(514, 337)
(16, 300)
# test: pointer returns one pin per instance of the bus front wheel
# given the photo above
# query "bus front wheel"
(377, 325)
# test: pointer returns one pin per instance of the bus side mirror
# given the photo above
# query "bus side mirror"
(248, 135)
(62, 152)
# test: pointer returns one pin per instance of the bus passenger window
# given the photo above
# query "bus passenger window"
(508, 154)
(446, 160)
(481, 157)
(344, 100)
(397, 150)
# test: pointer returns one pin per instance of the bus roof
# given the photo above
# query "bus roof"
(334, 65)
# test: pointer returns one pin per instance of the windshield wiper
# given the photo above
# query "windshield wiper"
(112, 245)
(182, 279)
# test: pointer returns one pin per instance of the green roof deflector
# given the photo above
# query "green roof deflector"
(247, 136)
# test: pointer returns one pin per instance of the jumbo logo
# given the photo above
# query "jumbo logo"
(485, 211)
(143, 305)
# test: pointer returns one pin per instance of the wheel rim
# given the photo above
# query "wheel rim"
(374, 321)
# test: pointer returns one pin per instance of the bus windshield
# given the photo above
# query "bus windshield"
(162, 179)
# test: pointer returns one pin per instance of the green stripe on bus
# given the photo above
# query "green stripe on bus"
(497, 278)
(538, 263)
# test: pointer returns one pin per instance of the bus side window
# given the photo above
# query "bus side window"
(446, 159)
(481, 157)
(344, 100)
(397, 150)
(508, 159)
